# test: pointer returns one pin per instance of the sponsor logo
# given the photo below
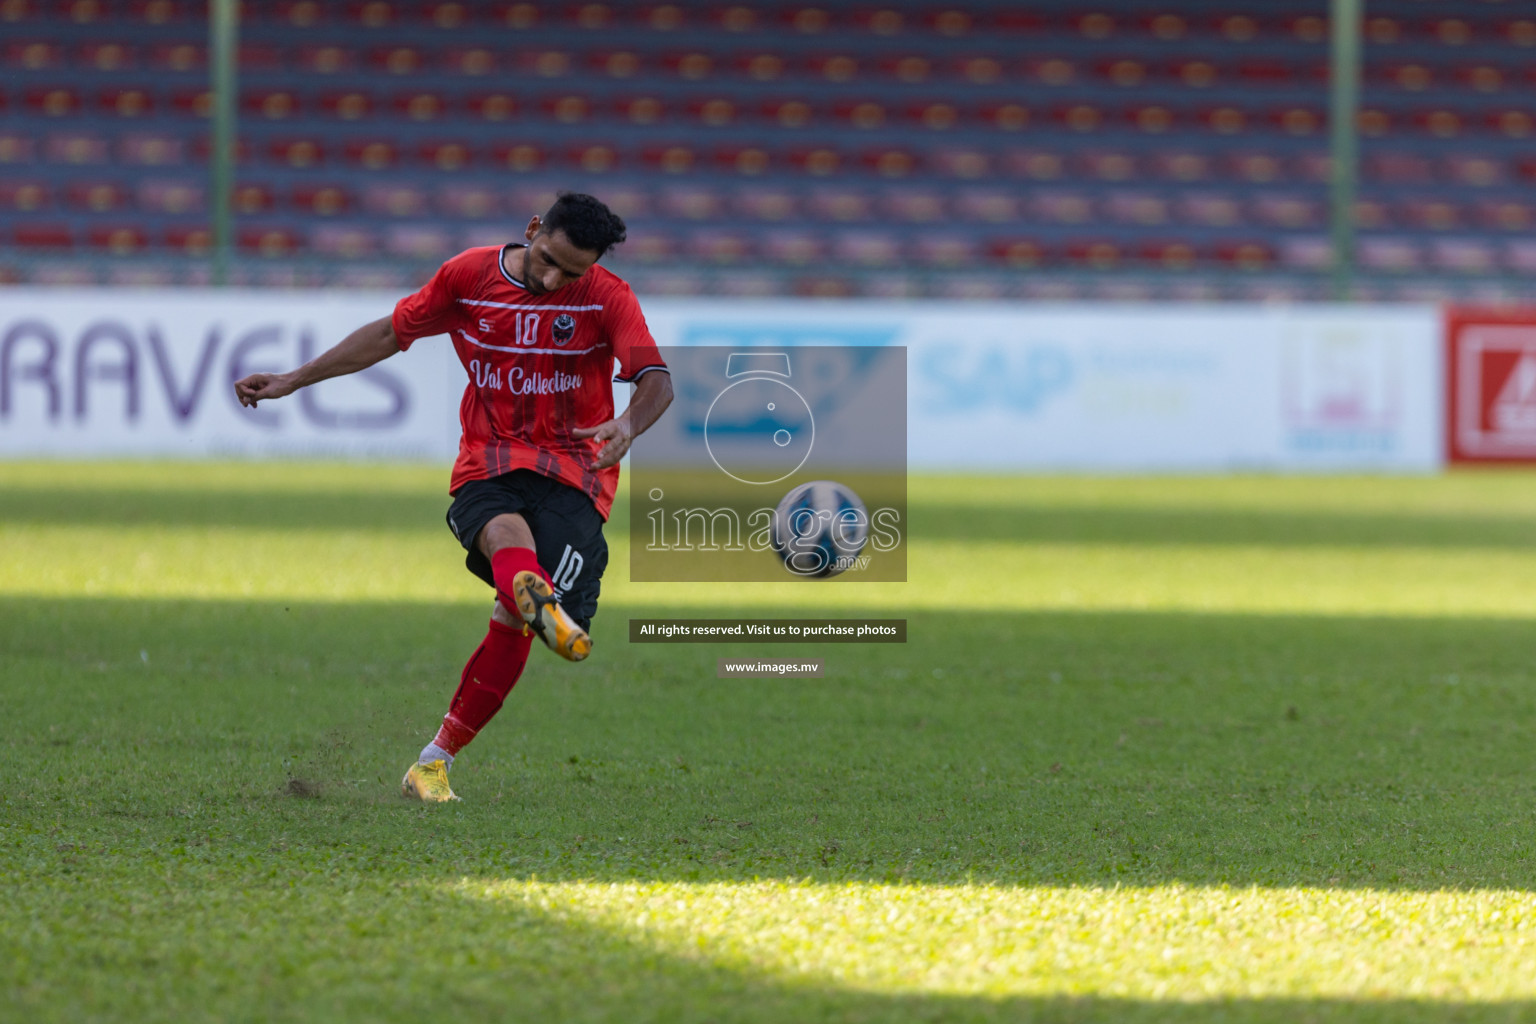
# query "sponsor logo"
(564, 329)
(1493, 391)
(1342, 390)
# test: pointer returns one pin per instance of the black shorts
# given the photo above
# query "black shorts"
(567, 532)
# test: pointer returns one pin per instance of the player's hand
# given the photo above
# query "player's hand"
(257, 386)
(618, 437)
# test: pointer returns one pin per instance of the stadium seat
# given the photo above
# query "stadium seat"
(397, 60)
(1081, 118)
(519, 156)
(271, 104)
(1250, 254)
(418, 241)
(1259, 168)
(720, 246)
(620, 64)
(1287, 212)
(1305, 252)
(34, 55)
(1440, 122)
(1060, 206)
(1019, 253)
(736, 18)
(1392, 255)
(1314, 166)
(326, 60)
(170, 198)
(1094, 253)
(474, 60)
(177, 57)
(860, 114)
(1475, 171)
(1181, 165)
(516, 15)
(746, 160)
(373, 13)
(1297, 120)
(82, 12)
(118, 239)
(713, 112)
(833, 67)
(1168, 255)
(297, 153)
(840, 204)
(344, 241)
(867, 248)
(24, 196)
(320, 199)
(1519, 257)
(916, 205)
(766, 204)
(593, 157)
(1373, 215)
(944, 252)
(80, 148)
(446, 156)
(252, 197)
(1126, 72)
(396, 200)
(1108, 165)
(1210, 210)
(788, 113)
(907, 68)
(1464, 255)
(53, 101)
(492, 106)
(1409, 76)
(676, 158)
(107, 56)
(567, 108)
(1483, 77)
(125, 102)
(543, 63)
(1145, 209)
(1375, 122)
(1035, 164)
(1399, 168)
(938, 115)
(269, 241)
(419, 106)
(160, 12)
(1153, 118)
(347, 105)
(819, 161)
(1224, 119)
(1431, 214)
(1506, 215)
(793, 248)
(372, 154)
(692, 64)
(193, 240)
(151, 150)
(39, 235)
(978, 70)
(889, 161)
(1195, 74)
(14, 12)
(691, 203)
(96, 196)
(470, 202)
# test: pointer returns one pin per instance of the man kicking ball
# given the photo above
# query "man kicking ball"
(538, 327)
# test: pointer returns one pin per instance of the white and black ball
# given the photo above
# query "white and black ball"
(820, 528)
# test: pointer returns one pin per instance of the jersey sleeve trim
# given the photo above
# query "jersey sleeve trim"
(642, 372)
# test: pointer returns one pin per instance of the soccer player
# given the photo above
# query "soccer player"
(537, 327)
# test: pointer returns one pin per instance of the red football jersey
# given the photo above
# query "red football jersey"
(538, 366)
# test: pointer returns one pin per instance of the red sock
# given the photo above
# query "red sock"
(505, 564)
(489, 676)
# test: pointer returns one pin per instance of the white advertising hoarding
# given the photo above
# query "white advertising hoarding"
(991, 387)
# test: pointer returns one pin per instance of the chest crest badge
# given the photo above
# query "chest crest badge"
(563, 329)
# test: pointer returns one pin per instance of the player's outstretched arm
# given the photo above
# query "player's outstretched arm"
(652, 396)
(359, 350)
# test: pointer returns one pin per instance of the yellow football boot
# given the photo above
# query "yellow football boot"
(428, 782)
(537, 605)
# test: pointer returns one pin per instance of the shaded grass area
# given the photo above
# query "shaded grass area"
(201, 820)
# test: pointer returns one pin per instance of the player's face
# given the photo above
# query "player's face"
(553, 261)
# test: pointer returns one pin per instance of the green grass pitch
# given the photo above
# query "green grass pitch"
(1187, 750)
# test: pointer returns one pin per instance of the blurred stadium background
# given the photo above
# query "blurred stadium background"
(1112, 150)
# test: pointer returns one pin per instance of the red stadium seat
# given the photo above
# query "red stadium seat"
(516, 15)
(1021, 253)
(691, 203)
(254, 57)
(1298, 120)
(736, 18)
(372, 154)
(747, 160)
(151, 150)
(758, 66)
(474, 60)
(691, 64)
(1167, 26)
(677, 158)
(80, 148)
(1246, 255)
(1126, 72)
(1512, 124)
(1451, 31)
(792, 113)
(889, 161)
(493, 106)
(250, 197)
(419, 106)
(567, 108)
(766, 203)
(1431, 214)
(107, 56)
(418, 241)
(34, 55)
(1224, 120)
(1375, 123)
(271, 104)
(519, 156)
(326, 60)
(448, 14)
(321, 200)
(270, 242)
(397, 60)
(819, 161)
(980, 70)
(24, 196)
(1195, 74)
(721, 246)
(1052, 71)
(808, 20)
(177, 57)
(373, 13)
(471, 202)
(82, 12)
(13, 12)
(1483, 77)
(616, 63)
(880, 21)
(1373, 215)
(1096, 254)
(1236, 27)
(192, 240)
(1506, 215)
(914, 205)
(192, 102)
(402, 201)
(1153, 118)
(935, 115)
(96, 196)
(840, 204)
(1519, 31)
(1168, 255)
(592, 17)
(1061, 206)
(1034, 164)
(713, 112)
(118, 239)
(347, 105)
(1259, 168)
(1476, 171)
(42, 236)
(909, 68)
(446, 156)
(592, 157)
(1108, 165)
(1307, 28)
(125, 102)
(173, 198)
(1441, 123)
(298, 153)
(53, 101)
(861, 114)
(300, 13)
(1082, 118)
(160, 12)
(960, 162)
(1094, 24)
(640, 109)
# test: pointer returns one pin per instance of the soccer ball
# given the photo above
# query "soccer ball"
(819, 529)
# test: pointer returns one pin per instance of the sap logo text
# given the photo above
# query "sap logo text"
(967, 378)
(112, 365)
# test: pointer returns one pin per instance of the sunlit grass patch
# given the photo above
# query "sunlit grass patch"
(1170, 942)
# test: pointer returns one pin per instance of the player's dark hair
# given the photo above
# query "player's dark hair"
(586, 222)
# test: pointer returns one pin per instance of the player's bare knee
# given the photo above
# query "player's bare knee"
(506, 531)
